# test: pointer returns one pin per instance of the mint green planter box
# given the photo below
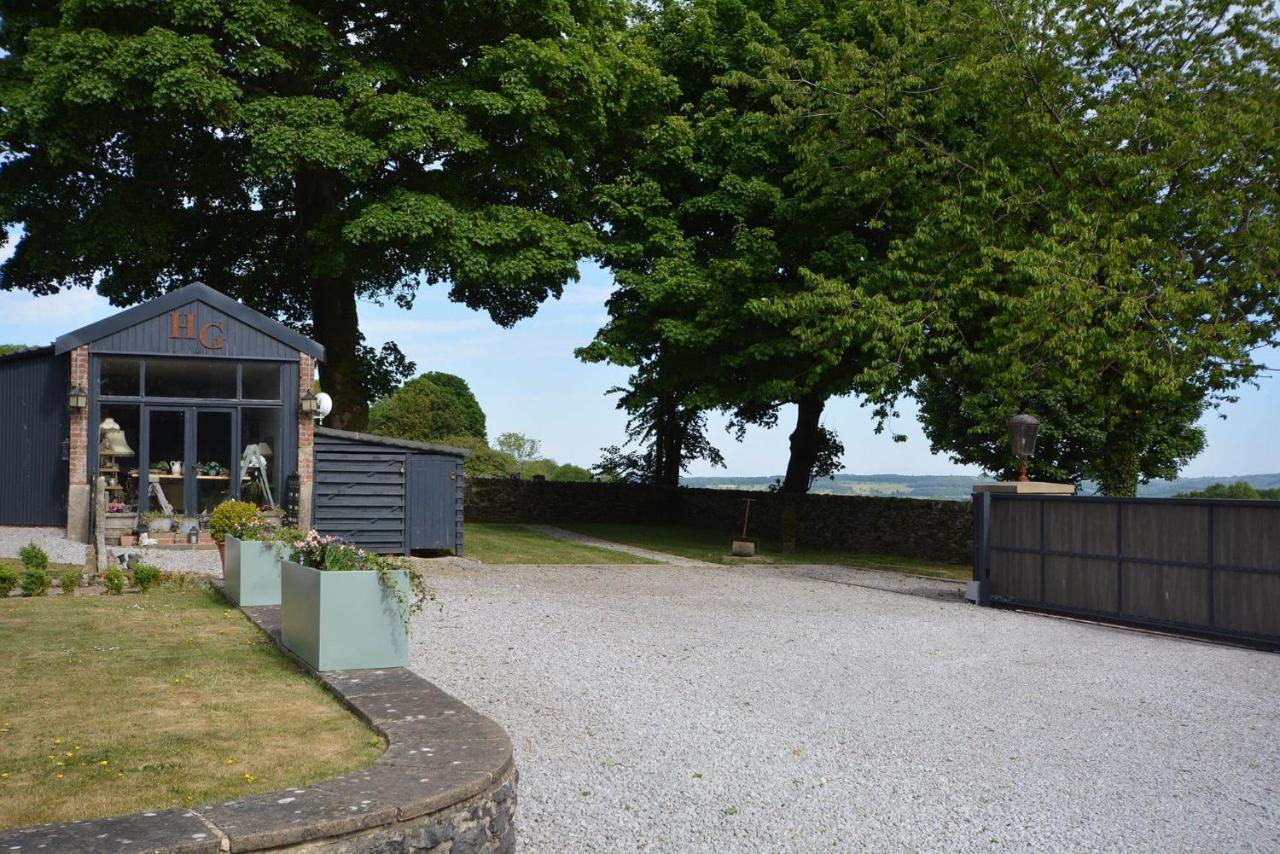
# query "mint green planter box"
(342, 620)
(251, 574)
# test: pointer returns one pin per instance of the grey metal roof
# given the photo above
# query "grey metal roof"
(374, 439)
(176, 299)
(30, 353)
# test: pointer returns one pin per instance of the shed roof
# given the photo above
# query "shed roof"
(29, 353)
(176, 299)
(373, 439)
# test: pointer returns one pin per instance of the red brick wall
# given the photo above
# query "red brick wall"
(79, 456)
(306, 425)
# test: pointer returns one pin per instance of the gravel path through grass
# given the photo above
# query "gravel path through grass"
(584, 539)
(682, 708)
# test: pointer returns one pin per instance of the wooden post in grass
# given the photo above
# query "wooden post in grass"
(743, 547)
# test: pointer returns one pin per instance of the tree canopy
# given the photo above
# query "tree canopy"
(430, 408)
(1066, 208)
(301, 156)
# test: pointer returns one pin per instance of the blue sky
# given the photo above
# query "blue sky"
(528, 381)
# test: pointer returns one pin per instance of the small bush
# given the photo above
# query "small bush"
(230, 516)
(69, 581)
(146, 576)
(113, 579)
(33, 557)
(8, 580)
(35, 582)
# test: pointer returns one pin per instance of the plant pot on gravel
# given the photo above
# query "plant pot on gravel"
(342, 608)
(226, 518)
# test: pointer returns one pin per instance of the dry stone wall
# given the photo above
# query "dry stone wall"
(906, 527)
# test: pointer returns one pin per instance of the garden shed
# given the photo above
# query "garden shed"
(388, 495)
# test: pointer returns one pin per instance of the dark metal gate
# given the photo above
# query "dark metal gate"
(1200, 566)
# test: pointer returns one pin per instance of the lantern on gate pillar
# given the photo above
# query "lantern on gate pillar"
(1022, 439)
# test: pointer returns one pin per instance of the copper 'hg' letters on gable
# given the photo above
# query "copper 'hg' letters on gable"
(211, 335)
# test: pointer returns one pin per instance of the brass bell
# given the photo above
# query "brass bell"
(113, 442)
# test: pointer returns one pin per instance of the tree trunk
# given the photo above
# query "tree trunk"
(336, 325)
(1120, 471)
(334, 320)
(804, 444)
(671, 438)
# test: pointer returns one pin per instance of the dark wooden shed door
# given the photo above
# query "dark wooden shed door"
(431, 509)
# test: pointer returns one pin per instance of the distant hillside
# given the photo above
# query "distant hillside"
(955, 487)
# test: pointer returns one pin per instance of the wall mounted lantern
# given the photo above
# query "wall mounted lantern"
(308, 404)
(78, 398)
(1022, 439)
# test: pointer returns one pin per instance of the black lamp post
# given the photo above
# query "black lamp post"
(1022, 438)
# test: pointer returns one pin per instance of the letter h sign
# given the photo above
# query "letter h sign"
(184, 326)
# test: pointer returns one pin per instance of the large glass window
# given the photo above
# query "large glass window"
(213, 458)
(260, 381)
(168, 432)
(260, 457)
(191, 378)
(119, 437)
(119, 377)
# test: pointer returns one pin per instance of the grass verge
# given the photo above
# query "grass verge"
(117, 704)
(497, 544)
(712, 546)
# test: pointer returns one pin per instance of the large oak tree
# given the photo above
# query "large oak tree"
(305, 155)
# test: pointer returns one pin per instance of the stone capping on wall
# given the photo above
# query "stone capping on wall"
(447, 776)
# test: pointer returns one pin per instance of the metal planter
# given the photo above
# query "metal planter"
(251, 571)
(342, 620)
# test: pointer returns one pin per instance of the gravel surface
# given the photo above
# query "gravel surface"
(203, 561)
(52, 540)
(764, 708)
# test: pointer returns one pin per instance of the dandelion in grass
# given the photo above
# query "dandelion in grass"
(231, 761)
(248, 778)
(103, 763)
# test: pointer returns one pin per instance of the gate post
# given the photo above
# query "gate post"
(978, 591)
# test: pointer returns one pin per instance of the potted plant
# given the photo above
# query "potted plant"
(343, 608)
(157, 522)
(228, 516)
(251, 571)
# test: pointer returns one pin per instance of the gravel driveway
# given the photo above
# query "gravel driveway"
(755, 708)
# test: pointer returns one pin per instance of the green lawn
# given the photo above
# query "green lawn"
(496, 544)
(117, 704)
(703, 544)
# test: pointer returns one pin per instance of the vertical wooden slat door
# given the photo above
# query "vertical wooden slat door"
(431, 505)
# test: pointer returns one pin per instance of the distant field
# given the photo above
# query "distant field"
(956, 487)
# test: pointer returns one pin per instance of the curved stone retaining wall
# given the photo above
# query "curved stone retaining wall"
(447, 782)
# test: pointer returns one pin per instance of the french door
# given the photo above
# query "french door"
(188, 460)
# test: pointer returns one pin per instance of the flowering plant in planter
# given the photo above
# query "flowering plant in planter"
(330, 553)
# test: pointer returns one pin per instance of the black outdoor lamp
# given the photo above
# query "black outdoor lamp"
(78, 398)
(1022, 438)
(309, 403)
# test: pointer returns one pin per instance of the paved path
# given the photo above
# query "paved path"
(664, 708)
(575, 537)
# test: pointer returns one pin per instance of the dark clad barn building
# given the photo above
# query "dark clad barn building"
(188, 400)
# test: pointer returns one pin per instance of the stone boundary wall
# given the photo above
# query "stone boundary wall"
(906, 527)
(447, 783)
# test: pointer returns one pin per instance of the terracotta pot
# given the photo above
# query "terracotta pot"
(126, 540)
